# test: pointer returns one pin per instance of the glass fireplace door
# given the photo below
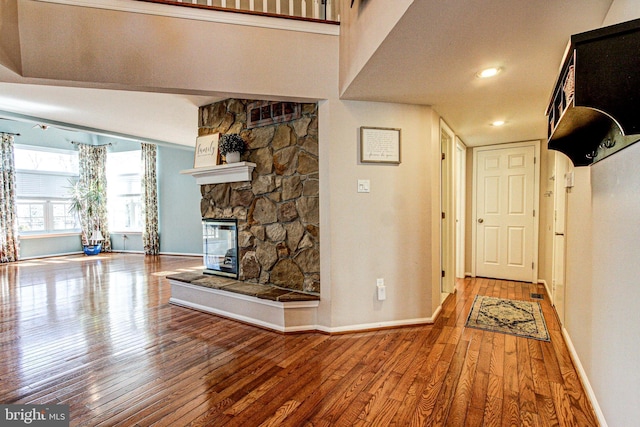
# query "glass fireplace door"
(220, 246)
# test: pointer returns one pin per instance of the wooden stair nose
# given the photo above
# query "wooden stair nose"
(257, 290)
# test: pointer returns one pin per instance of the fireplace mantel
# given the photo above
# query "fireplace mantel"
(232, 172)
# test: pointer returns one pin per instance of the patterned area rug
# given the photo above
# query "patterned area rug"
(521, 318)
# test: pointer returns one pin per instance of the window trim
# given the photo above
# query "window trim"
(48, 217)
(43, 199)
(48, 235)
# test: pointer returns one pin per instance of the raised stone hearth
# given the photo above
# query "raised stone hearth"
(252, 289)
(261, 305)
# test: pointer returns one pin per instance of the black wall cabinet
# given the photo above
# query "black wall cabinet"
(595, 106)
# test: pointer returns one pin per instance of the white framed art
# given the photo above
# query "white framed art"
(207, 153)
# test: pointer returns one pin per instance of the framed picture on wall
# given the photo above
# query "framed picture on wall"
(207, 153)
(379, 145)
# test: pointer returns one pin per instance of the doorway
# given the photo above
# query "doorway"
(505, 211)
(460, 197)
(448, 212)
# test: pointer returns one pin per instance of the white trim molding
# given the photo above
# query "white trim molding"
(381, 325)
(49, 256)
(583, 378)
(232, 172)
(546, 287)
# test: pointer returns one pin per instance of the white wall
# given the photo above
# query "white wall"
(603, 241)
(602, 316)
(621, 11)
(146, 52)
(616, 269)
(388, 233)
(579, 307)
(363, 28)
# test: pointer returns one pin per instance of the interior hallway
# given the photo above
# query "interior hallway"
(97, 333)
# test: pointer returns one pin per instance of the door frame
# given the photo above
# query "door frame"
(461, 209)
(447, 205)
(536, 201)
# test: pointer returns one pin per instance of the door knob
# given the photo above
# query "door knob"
(480, 220)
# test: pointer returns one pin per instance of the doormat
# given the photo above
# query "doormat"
(520, 318)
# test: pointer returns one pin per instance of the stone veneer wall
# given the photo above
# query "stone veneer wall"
(278, 211)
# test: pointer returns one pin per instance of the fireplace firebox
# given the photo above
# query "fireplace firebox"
(220, 247)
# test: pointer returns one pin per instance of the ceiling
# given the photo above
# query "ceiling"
(430, 58)
(433, 54)
(145, 116)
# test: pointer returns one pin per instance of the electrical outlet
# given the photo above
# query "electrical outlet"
(382, 291)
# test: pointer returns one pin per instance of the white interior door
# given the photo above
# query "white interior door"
(505, 203)
(561, 170)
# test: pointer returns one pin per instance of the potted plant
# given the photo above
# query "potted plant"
(231, 146)
(88, 201)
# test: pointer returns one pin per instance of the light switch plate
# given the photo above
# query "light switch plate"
(364, 186)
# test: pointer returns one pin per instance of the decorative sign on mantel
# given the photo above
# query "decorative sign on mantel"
(379, 145)
(207, 153)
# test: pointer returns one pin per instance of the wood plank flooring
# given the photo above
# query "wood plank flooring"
(98, 334)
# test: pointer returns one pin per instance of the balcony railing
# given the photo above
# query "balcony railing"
(314, 10)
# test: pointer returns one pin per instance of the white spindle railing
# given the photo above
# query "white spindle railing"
(318, 9)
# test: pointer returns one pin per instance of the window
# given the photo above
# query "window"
(43, 177)
(124, 202)
(31, 215)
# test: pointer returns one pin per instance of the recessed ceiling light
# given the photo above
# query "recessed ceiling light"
(488, 72)
(497, 123)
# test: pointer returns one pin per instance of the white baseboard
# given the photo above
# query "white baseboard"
(583, 378)
(381, 325)
(181, 254)
(50, 255)
(240, 317)
(544, 282)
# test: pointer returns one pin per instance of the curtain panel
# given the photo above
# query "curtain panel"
(9, 241)
(93, 164)
(150, 237)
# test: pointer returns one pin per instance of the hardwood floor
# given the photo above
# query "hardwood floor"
(98, 334)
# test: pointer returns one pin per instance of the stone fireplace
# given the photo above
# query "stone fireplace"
(277, 212)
